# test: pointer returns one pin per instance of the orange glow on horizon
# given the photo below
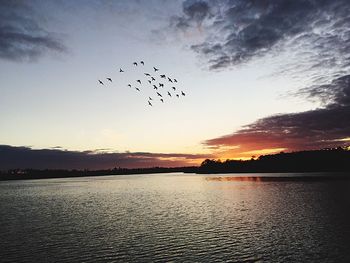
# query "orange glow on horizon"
(241, 154)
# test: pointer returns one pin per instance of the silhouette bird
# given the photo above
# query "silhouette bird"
(149, 98)
(129, 85)
(177, 95)
(162, 100)
(149, 103)
(135, 64)
(158, 94)
(137, 89)
(100, 82)
(183, 93)
(169, 79)
(175, 80)
(149, 81)
(147, 74)
(161, 85)
(153, 79)
(109, 79)
(139, 81)
(120, 70)
(169, 93)
(142, 63)
(155, 87)
(173, 88)
(155, 69)
(162, 76)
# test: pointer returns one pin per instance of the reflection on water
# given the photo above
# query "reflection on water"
(174, 217)
(280, 177)
(235, 178)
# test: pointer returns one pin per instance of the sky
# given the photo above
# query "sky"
(260, 77)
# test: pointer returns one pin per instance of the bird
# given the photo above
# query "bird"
(153, 79)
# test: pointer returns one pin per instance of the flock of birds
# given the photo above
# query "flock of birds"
(162, 85)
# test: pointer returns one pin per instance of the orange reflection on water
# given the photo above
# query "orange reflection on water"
(234, 178)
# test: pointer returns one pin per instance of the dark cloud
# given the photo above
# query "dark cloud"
(337, 92)
(308, 41)
(194, 12)
(238, 30)
(324, 127)
(21, 35)
(25, 157)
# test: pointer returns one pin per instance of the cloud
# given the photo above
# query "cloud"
(239, 30)
(12, 157)
(328, 126)
(307, 40)
(194, 13)
(21, 35)
(335, 93)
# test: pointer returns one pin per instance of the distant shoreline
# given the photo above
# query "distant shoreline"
(30, 174)
(242, 176)
(335, 161)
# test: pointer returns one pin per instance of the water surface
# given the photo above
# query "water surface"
(174, 217)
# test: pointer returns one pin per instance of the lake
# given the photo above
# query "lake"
(174, 217)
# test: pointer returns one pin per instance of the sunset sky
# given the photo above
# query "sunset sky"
(260, 76)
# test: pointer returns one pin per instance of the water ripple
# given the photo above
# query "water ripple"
(164, 218)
